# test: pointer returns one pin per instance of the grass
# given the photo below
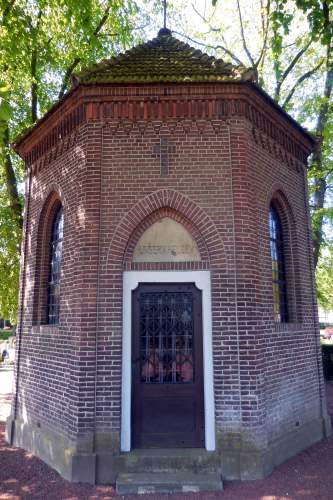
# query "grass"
(5, 334)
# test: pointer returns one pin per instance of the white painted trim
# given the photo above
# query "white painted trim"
(202, 281)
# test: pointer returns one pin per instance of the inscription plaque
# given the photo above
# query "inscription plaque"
(166, 241)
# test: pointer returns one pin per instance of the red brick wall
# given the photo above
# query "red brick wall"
(48, 376)
(129, 176)
(292, 374)
(225, 167)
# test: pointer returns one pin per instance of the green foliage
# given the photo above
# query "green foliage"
(6, 111)
(280, 18)
(280, 21)
(296, 68)
(316, 11)
(42, 42)
(10, 236)
(324, 279)
(5, 334)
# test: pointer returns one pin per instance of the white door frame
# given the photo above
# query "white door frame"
(202, 281)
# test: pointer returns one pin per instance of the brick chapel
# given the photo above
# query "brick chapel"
(168, 318)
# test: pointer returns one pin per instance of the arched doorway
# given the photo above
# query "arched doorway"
(167, 386)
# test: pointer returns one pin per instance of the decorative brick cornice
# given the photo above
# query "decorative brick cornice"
(59, 148)
(127, 110)
(265, 129)
(54, 142)
(270, 144)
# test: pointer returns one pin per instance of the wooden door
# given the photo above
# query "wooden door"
(167, 370)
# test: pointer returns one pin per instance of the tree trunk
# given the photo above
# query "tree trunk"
(34, 87)
(320, 187)
(11, 183)
(320, 183)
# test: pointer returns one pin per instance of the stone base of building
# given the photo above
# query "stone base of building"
(233, 460)
(57, 451)
(239, 461)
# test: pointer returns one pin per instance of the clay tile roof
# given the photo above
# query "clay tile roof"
(163, 59)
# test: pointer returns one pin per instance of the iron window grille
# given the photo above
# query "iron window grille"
(166, 337)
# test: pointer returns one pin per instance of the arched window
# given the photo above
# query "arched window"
(278, 267)
(55, 253)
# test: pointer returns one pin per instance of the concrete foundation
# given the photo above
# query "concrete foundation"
(234, 460)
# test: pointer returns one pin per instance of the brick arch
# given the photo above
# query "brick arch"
(52, 203)
(49, 205)
(279, 200)
(158, 215)
(180, 207)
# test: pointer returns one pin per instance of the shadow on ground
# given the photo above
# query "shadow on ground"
(308, 476)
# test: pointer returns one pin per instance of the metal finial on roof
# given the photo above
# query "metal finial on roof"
(164, 13)
(164, 31)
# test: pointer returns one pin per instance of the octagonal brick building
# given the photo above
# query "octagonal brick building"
(168, 314)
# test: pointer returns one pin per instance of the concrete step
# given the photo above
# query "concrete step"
(195, 460)
(184, 482)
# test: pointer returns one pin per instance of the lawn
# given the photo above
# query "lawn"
(5, 334)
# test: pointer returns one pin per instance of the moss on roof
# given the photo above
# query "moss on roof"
(163, 59)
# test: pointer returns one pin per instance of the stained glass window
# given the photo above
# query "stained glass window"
(278, 267)
(56, 242)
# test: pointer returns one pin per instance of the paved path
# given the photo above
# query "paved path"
(6, 381)
(308, 476)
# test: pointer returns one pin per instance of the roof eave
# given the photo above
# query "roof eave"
(17, 144)
(279, 108)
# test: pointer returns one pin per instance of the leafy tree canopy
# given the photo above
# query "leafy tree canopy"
(42, 42)
(289, 44)
(325, 279)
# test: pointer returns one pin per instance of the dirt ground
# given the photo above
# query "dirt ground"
(308, 476)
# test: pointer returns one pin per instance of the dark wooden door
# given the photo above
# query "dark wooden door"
(167, 371)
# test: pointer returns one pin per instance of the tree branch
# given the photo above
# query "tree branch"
(11, 182)
(216, 30)
(243, 35)
(207, 21)
(325, 106)
(319, 200)
(106, 34)
(68, 74)
(320, 183)
(299, 81)
(77, 60)
(265, 32)
(289, 69)
(7, 9)
(215, 47)
(34, 85)
(102, 22)
(33, 68)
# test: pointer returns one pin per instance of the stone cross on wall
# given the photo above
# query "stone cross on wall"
(163, 149)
